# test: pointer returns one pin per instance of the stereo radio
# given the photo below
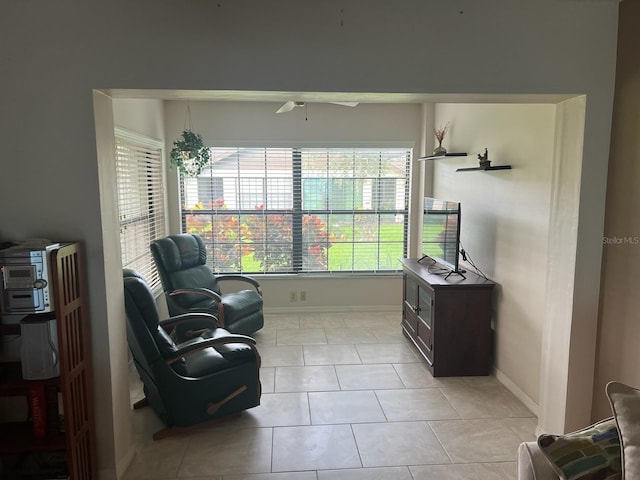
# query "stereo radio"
(25, 282)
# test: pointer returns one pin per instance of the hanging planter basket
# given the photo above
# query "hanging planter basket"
(189, 154)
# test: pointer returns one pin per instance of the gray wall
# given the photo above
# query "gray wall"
(53, 54)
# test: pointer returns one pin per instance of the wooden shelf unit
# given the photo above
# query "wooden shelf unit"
(17, 437)
(10, 329)
(12, 384)
(76, 435)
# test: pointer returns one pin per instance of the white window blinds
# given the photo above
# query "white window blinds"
(140, 202)
(283, 210)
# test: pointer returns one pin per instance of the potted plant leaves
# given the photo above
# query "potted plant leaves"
(189, 154)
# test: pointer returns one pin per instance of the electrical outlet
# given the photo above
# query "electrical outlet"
(303, 296)
(293, 296)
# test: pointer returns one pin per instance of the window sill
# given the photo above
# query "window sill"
(328, 275)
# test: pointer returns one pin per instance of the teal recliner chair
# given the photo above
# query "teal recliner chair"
(192, 371)
(191, 286)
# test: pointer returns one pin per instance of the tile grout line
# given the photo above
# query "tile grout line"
(355, 442)
(428, 422)
(404, 385)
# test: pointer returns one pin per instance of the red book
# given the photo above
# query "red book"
(37, 406)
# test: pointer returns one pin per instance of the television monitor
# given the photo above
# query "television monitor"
(441, 232)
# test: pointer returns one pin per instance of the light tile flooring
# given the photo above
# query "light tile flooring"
(345, 396)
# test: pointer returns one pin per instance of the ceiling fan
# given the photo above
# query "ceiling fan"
(290, 105)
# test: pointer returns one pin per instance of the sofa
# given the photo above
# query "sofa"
(532, 464)
(606, 450)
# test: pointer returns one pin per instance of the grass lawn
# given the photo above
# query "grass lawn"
(346, 255)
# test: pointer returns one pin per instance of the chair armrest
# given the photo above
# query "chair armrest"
(241, 278)
(200, 343)
(199, 291)
(189, 325)
(187, 318)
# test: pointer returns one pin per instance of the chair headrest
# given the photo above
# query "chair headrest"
(139, 300)
(130, 273)
(179, 252)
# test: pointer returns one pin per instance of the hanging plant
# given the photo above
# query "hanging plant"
(189, 154)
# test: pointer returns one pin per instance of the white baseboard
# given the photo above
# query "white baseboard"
(517, 391)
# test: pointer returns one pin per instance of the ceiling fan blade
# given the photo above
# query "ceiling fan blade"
(290, 105)
(346, 104)
(287, 107)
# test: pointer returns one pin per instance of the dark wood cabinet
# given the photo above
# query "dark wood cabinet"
(449, 320)
(75, 433)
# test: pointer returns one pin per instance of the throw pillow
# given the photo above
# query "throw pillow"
(625, 403)
(592, 453)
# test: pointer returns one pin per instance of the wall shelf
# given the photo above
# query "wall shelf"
(481, 169)
(448, 154)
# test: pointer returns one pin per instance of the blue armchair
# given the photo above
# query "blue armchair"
(190, 285)
(210, 375)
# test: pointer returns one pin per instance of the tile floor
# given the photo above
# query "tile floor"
(345, 396)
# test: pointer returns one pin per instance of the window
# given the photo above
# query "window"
(290, 210)
(140, 202)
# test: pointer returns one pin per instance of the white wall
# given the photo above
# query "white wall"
(53, 54)
(568, 343)
(144, 117)
(505, 220)
(112, 360)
